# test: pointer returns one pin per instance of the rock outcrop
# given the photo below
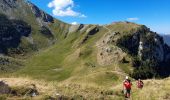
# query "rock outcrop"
(146, 44)
(4, 88)
(40, 14)
(7, 4)
(11, 32)
(150, 53)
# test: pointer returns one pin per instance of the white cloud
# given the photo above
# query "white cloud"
(74, 23)
(84, 16)
(64, 8)
(133, 19)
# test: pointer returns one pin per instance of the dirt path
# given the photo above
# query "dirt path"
(109, 31)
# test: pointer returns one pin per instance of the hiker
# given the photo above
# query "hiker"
(140, 84)
(127, 87)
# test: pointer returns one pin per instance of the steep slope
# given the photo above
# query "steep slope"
(42, 31)
(150, 53)
(98, 55)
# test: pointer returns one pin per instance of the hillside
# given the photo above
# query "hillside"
(77, 59)
(36, 29)
(53, 90)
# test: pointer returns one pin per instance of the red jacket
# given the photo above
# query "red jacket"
(127, 84)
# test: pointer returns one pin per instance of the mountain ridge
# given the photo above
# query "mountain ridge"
(129, 38)
(83, 54)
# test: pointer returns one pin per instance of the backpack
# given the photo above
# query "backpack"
(127, 85)
(140, 84)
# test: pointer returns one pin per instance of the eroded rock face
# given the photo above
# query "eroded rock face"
(145, 44)
(22, 27)
(45, 31)
(7, 4)
(89, 32)
(40, 14)
(11, 32)
(93, 31)
(107, 52)
(79, 28)
(151, 47)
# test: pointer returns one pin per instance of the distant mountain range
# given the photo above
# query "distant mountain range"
(166, 39)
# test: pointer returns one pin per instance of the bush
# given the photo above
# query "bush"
(145, 69)
(136, 62)
(128, 44)
(3, 97)
(144, 72)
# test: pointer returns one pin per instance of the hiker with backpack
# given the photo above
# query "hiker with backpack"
(127, 87)
(140, 84)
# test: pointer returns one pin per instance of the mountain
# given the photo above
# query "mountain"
(38, 26)
(166, 39)
(33, 44)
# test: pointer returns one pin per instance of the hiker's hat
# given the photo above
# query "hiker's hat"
(127, 77)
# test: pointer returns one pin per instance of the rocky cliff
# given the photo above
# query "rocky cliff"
(149, 48)
(24, 27)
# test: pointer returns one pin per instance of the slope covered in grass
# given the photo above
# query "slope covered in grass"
(153, 89)
(69, 58)
(87, 61)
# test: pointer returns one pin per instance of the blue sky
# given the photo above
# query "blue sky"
(152, 13)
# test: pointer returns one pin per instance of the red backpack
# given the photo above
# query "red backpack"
(127, 85)
(140, 84)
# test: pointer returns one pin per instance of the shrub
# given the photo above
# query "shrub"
(136, 62)
(143, 72)
(3, 97)
(128, 44)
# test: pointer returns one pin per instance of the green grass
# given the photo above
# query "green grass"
(51, 64)
(70, 63)
(123, 27)
(61, 63)
(43, 65)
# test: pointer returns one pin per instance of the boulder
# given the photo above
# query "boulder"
(4, 88)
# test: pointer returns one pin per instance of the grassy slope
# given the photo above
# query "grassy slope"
(69, 62)
(58, 63)
(65, 63)
(24, 12)
(152, 90)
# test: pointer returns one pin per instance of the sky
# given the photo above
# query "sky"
(153, 13)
